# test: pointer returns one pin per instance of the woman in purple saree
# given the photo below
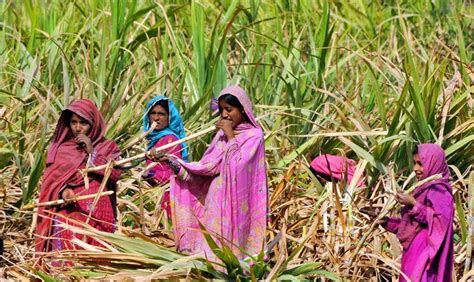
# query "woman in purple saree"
(226, 191)
(425, 229)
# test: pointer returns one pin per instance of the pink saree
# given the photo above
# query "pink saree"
(226, 191)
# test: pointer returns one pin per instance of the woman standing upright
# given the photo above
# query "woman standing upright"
(226, 190)
(169, 128)
(425, 228)
(78, 141)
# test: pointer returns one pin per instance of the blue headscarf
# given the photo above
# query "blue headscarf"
(175, 126)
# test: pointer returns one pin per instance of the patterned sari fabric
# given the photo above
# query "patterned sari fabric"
(426, 230)
(64, 160)
(226, 191)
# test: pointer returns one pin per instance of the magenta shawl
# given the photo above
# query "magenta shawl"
(426, 229)
(337, 167)
(226, 191)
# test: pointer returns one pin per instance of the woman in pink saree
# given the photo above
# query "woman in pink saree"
(425, 228)
(226, 191)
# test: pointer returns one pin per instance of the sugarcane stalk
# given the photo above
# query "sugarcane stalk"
(107, 173)
(448, 98)
(162, 148)
(60, 202)
(139, 138)
(188, 138)
(389, 206)
(169, 145)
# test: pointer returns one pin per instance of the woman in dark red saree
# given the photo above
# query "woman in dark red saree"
(78, 140)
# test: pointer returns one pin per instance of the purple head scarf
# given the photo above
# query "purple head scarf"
(226, 191)
(433, 159)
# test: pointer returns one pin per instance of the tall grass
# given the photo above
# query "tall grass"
(402, 68)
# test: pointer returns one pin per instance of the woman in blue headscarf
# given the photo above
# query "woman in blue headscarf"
(169, 128)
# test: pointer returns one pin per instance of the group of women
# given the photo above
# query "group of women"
(224, 195)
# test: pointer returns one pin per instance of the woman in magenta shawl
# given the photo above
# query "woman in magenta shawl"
(78, 140)
(226, 190)
(329, 167)
(425, 229)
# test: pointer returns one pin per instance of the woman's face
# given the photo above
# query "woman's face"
(417, 167)
(79, 125)
(231, 113)
(160, 116)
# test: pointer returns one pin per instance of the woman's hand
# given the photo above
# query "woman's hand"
(174, 165)
(381, 221)
(68, 196)
(370, 212)
(156, 156)
(405, 199)
(373, 215)
(226, 126)
(84, 141)
(161, 156)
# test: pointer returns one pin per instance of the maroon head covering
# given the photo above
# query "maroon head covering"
(65, 157)
(88, 111)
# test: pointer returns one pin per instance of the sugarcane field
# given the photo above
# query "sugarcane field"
(238, 140)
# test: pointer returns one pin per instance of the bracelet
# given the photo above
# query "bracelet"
(175, 166)
(92, 157)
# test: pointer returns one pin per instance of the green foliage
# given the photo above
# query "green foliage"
(311, 67)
